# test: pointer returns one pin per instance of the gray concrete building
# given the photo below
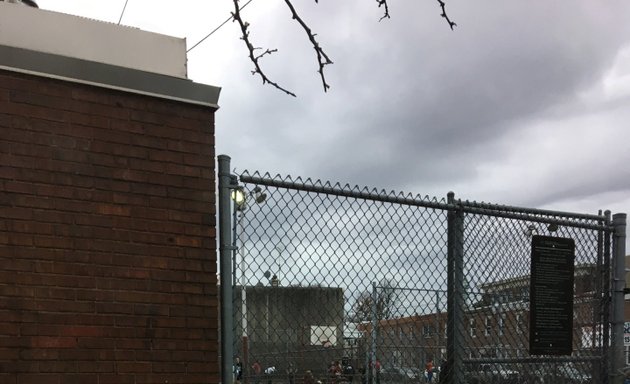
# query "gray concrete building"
(289, 328)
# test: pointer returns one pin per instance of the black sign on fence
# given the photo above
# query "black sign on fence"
(551, 296)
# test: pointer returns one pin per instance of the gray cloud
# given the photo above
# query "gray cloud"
(514, 106)
(414, 104)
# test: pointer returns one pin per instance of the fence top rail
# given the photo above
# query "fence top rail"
(533, 211)
(540, 218)
(572, 219)
(338, 189)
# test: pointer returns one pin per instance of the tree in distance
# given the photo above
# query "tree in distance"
(387, 300)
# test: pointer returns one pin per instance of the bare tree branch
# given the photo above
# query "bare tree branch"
(383, 3)
(254, 58)
(322, 58)
(444, 15)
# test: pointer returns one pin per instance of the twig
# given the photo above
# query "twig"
(444, 15)
(383, 3)
(322, 58)
(216, 29)
(254, 58)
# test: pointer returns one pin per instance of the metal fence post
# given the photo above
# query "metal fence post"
(598, 369)
(606, 303)
(373, 372)
(455, 282)
(618, 285)
(225, 261)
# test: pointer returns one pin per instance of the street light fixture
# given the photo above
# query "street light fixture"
(240, 198)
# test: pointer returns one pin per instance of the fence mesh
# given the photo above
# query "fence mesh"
(339, 284)
(497, 262)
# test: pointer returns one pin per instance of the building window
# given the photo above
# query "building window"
(502, 324)
(426, 331)
(488, 328)
(473, 328)
(519, 323)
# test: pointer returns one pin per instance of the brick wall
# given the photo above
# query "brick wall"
(107, 236)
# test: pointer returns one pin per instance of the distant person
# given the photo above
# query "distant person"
(331, 371)
(269, 371)
(338, 370)
(238, 370)
(308, 378)
(291, 371)
(377, 368)
(348, 372)
(429, 370)
(362, 375)
(257, 369)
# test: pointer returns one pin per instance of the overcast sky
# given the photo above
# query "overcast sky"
(525, 103)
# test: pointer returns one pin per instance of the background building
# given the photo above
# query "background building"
(302, 326)
(497, 325)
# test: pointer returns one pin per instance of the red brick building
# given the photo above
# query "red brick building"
(496, 325)
(107, 206)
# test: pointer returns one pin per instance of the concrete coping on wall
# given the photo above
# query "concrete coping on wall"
(107, 76)
(83, 50)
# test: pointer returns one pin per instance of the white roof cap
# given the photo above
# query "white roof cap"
(82, 38)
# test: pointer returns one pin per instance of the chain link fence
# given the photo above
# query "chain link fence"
(337, 284)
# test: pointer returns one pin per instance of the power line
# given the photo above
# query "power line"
(217, 28)
(123, 12)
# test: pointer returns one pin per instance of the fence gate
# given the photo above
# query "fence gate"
(326, 282)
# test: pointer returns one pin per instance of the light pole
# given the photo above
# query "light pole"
(240, 198)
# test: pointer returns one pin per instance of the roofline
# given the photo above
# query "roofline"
(107, 76)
